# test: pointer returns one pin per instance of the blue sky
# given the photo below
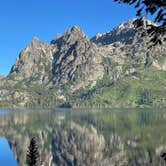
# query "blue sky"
(20, 20)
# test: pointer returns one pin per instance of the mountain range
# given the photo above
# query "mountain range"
(112, 69)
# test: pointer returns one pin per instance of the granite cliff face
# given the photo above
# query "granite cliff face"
(69, 58)
(124, 33)
(125, 43)
(77, 59)
(73, 66)
(34, 63)
(74, 58)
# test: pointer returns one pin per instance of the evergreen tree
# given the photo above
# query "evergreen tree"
(33, 157)
(163, 156)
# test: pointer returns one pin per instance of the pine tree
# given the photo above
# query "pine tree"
(33, 156)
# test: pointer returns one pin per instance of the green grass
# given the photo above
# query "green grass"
(146, 89)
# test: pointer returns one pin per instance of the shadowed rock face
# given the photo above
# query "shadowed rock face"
(70, 58)
(77, 59)
(125, 42)
(124, 33)
(73, 138)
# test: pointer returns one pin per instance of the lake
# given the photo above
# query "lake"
(127, 137)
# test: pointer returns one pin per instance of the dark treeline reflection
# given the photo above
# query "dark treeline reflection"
(88, 137)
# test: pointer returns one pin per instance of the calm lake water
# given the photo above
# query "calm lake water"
(6, 155)
(84, 137)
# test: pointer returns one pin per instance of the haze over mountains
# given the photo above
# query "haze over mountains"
(113, 69)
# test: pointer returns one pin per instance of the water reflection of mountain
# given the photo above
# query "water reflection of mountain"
(100, 138)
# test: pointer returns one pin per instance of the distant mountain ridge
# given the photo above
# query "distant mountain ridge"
(124, 33)
(77, 71)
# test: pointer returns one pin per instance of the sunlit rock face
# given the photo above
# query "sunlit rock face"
(77, 59)
(69, 58)
(72, 57)
(77, 71)
(124, 33)
(82, 57)
(124, 42)
(34, 62)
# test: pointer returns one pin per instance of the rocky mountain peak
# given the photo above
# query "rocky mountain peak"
(76, 58)
(70, 37)
(34, 62)
(74, 34)
(126, 25)
(124, 33)
(58, 36)
(72, 62)
(34, 43)
(132, 23)
(35, 40)
(74, 29)
(147, 22)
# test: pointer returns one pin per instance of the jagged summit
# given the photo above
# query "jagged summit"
(76, 28)
(123, 33)
(35, 42)
(35, 39)
(33, 62)
(71, 35)
(73, 62)
(73, 57)
(132, 22)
